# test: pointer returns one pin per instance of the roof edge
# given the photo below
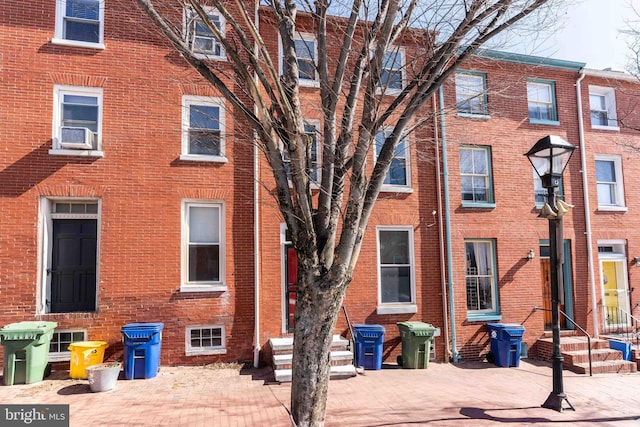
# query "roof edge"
(529, 59)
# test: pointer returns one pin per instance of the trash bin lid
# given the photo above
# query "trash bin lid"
(369, 331)
(419, 329)
(88, 344)
(156, 327)
(509, 326)
(29, 330)
(141, 330)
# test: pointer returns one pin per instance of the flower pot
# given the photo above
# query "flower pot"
(103, 376)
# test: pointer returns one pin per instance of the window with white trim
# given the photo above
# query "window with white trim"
(200, 37)
(203, 129)
(80, 23)
(475, 174)
(602, 107)
(77, 121)
(609, 182)
(392, 75)
(203, 340)
(306, 53)
(203, 246)
(399, 171)
(470, 93)
(311, 129)
(542, 101)
(60, 340)
(396, 269)
(481, 280)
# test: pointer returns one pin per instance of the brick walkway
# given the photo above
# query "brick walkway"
(466, 394)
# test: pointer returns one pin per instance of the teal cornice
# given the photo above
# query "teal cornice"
(529, 60)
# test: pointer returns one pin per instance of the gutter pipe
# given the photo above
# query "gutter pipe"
(443, 277)
(587, 214)
(445, 175)
(256, 231)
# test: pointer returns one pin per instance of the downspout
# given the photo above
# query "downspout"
(256, 231)
(445, 179)
(443, 277)
(587, 214)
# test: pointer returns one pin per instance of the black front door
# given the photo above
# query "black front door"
(73, 265)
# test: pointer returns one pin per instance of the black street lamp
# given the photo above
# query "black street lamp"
(549, 157)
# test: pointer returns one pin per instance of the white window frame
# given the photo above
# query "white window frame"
(609, 96)
(61, 6)
(386, 90)
(465, 94)
(59, 91)
(551, 104)
(488, 178)
(187, 102)
(45, 242)
(396, 188)
(307, 37)
(397, 307)
(202, 351)
(314, 183)
(190, 14)
(64, 356)
(203, 286)
(619, 183)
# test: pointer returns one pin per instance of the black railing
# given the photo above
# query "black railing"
(620, 324)
(579, 328)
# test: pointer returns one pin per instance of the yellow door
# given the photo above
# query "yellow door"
(615, 296)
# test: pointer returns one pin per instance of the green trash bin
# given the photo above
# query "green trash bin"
(416, 344)
(26, 351)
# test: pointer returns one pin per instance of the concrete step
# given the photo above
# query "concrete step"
(607, 367)
(338, 358)
(336, 372)
(597, 355)
(285, 345)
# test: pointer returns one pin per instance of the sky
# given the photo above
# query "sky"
(589, 32)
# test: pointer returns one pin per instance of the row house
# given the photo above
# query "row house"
(131, 192)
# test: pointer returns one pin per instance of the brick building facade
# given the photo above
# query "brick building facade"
(117, 224)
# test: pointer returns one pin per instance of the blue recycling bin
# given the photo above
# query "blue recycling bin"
(369, 340)
(506, 340)
(142, 342)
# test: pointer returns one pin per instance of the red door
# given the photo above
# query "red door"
(292, 285)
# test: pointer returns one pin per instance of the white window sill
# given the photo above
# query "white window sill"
(483, 317)
(79, 153)
(613, 208)
(309, 83)
(203, 158)
(210, 57)
(397, 309)
(480, 116)
(76, 43)
(395, 189)
(64, 356)
(611, 128)
(205, 352)
(481, 205)
(203, 288)
(389, 91)
(544, 122)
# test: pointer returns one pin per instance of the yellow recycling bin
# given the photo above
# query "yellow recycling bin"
(83, 355)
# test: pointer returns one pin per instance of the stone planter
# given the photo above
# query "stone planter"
(103, 376)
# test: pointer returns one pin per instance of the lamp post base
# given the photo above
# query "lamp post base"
(554, 401)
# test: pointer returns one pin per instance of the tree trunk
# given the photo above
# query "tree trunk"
(317, 310)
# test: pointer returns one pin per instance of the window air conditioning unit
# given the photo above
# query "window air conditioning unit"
(76, 138)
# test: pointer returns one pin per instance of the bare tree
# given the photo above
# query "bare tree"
(354, 65)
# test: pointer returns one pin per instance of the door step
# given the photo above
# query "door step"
(341, 358)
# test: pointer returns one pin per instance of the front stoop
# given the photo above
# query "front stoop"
(575, 352)
(341, 358)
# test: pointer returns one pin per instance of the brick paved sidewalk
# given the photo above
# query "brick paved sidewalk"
(466, 394)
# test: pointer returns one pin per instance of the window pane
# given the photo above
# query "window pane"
(480, 279)
(396, 284)
(605, 171)
(204, 117)
(394, 247)
(466, 161)
(204, 142)
(480, 162)
(397, 173)
(82, 31)
(204, 263)
(83, 9)
(204, 224)
(606, 194)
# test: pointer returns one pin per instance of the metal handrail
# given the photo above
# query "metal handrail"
(634, 321)
(577, 326)
(353, 337)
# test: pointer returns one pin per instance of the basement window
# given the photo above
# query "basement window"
(207, 339)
